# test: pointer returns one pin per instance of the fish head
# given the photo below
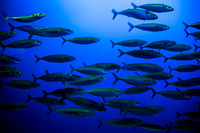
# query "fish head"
(187, 97)
(168, 8)
(165, 27)
(102, 70)
(39, 15)
(154, 16)
(14, 60)
(71, 58)
(17, 73)
(37, 42)
(96, 39)
(66, 31)
(36, 85)
(137, 104)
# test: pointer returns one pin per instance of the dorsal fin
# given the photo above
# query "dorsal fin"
(47, 72)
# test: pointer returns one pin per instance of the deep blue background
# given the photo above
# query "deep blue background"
(92, 18)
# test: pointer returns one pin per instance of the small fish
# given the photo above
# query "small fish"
(183, 127)
(160, 44)
(124, 122)
(185, 68)
(157, 75)
(135, 80)
(82, 40)
(8, 68)
(56, 58)
(192, 92)
(8, 60)
(159, 8)
(13, 106)
(25, 19)
(106, 66)
(47, 101)
(194, 114)
(22, 44)
(185, 56)
(73, 112)
(194, 34)
(7, 34)
(136, 13)
(129, 43)
(186, 122)
(122, 103)
(22, 84)
(195, 25)
(179, 48)
(195, 81)
(89, 70)
(136, 90)
(180, 83)
(10, 74)
(149, 27)
(152, 127)
(52, 32)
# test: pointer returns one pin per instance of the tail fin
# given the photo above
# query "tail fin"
(121, 53)
(63, 97)
(50, 110)
(3, 46)
(35, 78)
(178, 114)
(124, 63)
(187, 34)
(116, 78)
(100, 122)
(168, 128)
(170, 69)
(154, 93)
(166, 59)
(29, 97)
(196, 47)
(131, 26)
(6, 17)
(64, 40)
(31, 34)
(72, 68)
(186, 26)
(11, 26)
(115, 13)
(84, 64)
(134, 5)
(37, 58)
(45, 93)
(167, 83)
(113, 44)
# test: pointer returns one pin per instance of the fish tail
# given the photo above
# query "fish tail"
(196, 38)
(115, 13)
(100, 122)
(37, 58)
(196, 47)
(154, 93)
(6, 17)
(64, 40)
(167, 83)
(166, 59)
(11, 26)
(121, 53)
(124, 63)
(63, 97)
(178, 114)
(186, 25)
(45, 93)
(168, 128)
(3, 46)
(72, 68)
(116, 78)
(187, 34)
(50, 110)
(84, 64)
(30, 35)
(131, 26)
(118, 70)
(134, 5)
(29, 97)
(170, 69)
(121, 109)
(113, 44)
(35, 78)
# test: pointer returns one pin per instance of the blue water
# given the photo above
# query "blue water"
(92, 18)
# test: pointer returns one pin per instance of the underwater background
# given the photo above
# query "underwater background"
(93, 18)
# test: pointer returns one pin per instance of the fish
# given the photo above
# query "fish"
(8, 68)
(82, 40)
(124, 122)
(46, 101)
(186, 122)
(25, 19)
(195, 81)
(180, 83)
(10, 74)
(87, 81)
(122, 103)
(26, 28)
(152, 127)
(157, 75)
(183, 127)
(185, 68)
(13, 106)
(104, 92)
(52, 32)
(175, 95)
(194, 114)
(68, 92)
(9, 60)
(135, 80)
(129, 43)
(155, 27)
(56, 58)
(89, 70)
(73, 112)
(106, 66)
(7, 34)
(136, 90)
(22, 84)
(163, 44)
(185, 56)
(136, 13)
(194, 25)
(194, 34)
(159, 8)
(22, 44)
(196, 47)
(144, 67)
(192, 92)
(179, 48)
(146, 54)
(56, 77)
